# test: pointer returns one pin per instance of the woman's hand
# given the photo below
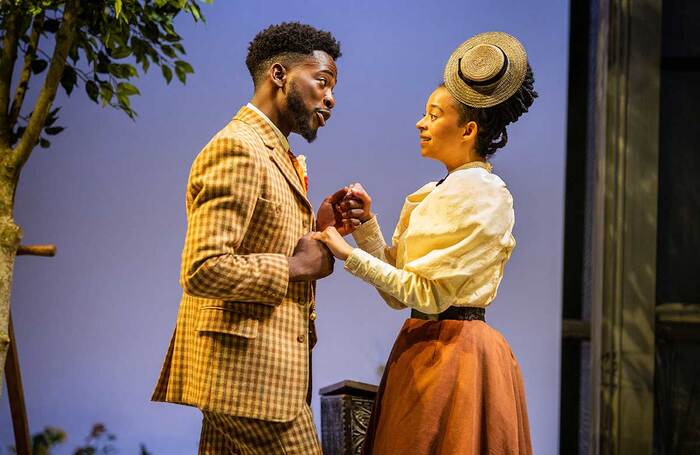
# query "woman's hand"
(335, 242)
(330, 212)
(345, 209)
(356, 205)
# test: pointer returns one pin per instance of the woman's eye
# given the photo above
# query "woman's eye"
(433, 117)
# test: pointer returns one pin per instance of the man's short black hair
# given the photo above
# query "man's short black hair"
(288, 41)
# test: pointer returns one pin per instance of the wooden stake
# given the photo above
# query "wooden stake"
(37, 250)
(15, 393)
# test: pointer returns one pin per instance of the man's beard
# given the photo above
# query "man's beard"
(300, 115)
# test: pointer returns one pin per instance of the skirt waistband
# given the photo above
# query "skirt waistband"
(456, 313)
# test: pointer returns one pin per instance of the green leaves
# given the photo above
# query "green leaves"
(98, 441)
(54, 130)
(50, 25)
(92, 90)
(116, 42)
(127, 89)
(182, 69)
(69, 79)
(167, 73)
(106, 93)
(169, 51)
(44, 441)
(50, 129)
(147, 37)
(122, 70)
(194, 10)
(38, 65)
(124, 91)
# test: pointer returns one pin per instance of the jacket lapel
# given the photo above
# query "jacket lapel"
(281, 159)
(277, 154)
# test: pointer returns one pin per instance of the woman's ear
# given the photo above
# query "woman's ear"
(278, 74)
(471, 129)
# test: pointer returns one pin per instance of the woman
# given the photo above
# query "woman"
(451, 384)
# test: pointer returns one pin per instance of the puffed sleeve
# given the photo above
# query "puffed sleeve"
(454, 248)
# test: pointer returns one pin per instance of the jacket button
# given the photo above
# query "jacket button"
(312, 316)
(301, 338)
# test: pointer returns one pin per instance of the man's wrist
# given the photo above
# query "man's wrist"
(295, 269)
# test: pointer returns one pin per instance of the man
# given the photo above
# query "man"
(241, 347)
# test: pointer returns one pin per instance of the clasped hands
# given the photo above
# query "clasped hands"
(339, 215)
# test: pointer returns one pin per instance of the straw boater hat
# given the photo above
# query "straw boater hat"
(486, 69)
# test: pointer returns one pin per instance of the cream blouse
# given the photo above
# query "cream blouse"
(449, 247)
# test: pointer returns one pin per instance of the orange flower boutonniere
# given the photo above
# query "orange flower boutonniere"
(304, 174)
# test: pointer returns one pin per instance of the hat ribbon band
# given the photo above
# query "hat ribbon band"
(490, 81)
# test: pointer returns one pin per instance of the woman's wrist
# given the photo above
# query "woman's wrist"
(345, 253)
(369, 216)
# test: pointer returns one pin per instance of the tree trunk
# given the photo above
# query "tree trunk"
(12, 160)
(10, 236)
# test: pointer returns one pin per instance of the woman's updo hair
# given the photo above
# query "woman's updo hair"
(492, 121)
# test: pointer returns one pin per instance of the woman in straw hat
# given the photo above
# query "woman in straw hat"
(451, 384)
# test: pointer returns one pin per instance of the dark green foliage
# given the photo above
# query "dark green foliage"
(98, 442)
(117, 41)
(42, 442)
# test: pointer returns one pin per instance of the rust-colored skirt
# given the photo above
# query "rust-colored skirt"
(449, 387)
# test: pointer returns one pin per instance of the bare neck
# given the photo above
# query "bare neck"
(268, 105)
(462, 158)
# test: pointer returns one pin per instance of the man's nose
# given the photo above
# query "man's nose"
(328, 100)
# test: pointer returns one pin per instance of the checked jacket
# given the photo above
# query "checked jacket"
(241, 341)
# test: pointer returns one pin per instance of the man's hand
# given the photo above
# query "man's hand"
(311, 260)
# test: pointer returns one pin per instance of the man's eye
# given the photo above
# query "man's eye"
(433, 117)
(323, 82)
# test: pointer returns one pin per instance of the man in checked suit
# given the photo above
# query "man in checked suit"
(240, 351)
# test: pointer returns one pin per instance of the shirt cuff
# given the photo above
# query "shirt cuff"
(366, 267)
(368, 236)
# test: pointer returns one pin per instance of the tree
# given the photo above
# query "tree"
(97, 44)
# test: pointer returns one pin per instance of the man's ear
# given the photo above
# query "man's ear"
(278, 74)
(470, 131)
